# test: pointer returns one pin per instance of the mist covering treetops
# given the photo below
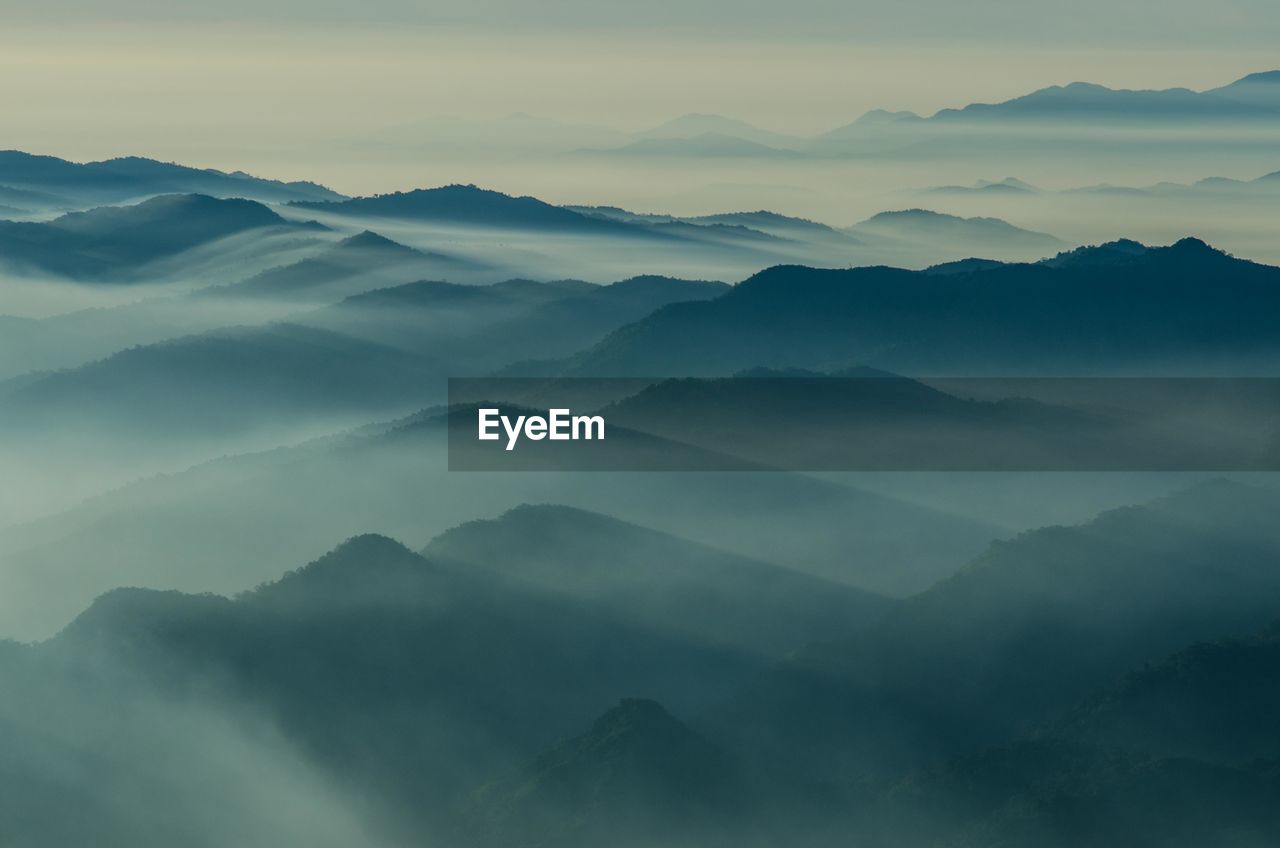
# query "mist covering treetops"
(111, 241)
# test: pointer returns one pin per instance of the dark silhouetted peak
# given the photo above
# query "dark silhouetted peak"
(926, 224)
(128, 178)
(112, 240)
(531, 527)
(885, 116)
(363, 569)
(467, 204)
(1192, 246)
(369, 240)
(649, 284)
(141, 166)
(132, 616)
(911, 214)
(1127, 246)
(1121, 250)
(1184, 253)
(229, 215)
(535, 290)
(369, 545)
(964, 266)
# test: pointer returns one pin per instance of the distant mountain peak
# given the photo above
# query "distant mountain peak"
(1268, 77)
(469, 204)
(128, 178)
(1250, 99)
(368, 239)
(367, 566)
(1077, 86)
(925, 223)
(1191, 244)
(131, 615)
(1185, 249)
(1111, 251)
(368, 545)
(914, 212)
(876, 116)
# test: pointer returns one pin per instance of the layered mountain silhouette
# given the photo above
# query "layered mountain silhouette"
(1036, 624)
(222, 381)
(1086, 101)
(588, 657)
(382, 351)
(1261, 89)
(491, 326)
(1045, 692)
(1120, 307)
(469, 205)
(355, 651)
(863, 419)
(922, 225)
(1264, 186)
(761, 221)
(908, 238)
(39, 183)
(330, 273)
(658, 580)
(356, 264)
(1007, 186)
(394, 479)
(111, 242)
(1252, 98)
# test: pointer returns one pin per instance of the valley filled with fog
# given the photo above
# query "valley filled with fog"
(246, 597)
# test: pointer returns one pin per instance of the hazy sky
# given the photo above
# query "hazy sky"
(299, 89)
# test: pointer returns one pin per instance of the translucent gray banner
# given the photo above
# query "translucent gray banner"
(876, 422)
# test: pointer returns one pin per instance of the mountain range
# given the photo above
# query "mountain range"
(112, 243)
(1255, 97)
(46, 183)
(468, 205)
(1073, 683)
(1037, 623)
(1110, 309)
(1253, 100)
(260, 598)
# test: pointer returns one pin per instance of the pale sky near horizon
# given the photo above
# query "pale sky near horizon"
(298, 90)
